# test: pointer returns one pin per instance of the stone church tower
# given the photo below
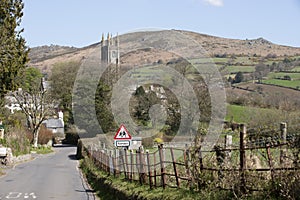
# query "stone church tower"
(110, 49)
(110, 55)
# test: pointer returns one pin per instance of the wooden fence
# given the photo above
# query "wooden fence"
(228, 165)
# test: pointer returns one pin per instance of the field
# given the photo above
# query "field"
(233, 69)
(294, 76)
(285, 83)
(277, 79)
(296, 69)
(244, 114)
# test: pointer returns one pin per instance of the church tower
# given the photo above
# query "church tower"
(110, 49)
(110, 55)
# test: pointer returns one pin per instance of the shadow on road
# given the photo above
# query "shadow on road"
(72, 157)
(86, 191)
(63, 145)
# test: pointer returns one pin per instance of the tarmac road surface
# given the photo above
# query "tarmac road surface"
(53, 176)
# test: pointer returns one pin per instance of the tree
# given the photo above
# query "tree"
(103, 107)
(141, 104)
(31, 78)
(61, 88)
(13, 51)
(239, 77)
(34, 101)
(261, 70)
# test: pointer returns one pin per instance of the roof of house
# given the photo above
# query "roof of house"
(54, 123)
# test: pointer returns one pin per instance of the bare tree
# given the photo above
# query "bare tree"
(37, 104)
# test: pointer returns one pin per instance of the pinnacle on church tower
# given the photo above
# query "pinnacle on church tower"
(108, 39)
(102, 39)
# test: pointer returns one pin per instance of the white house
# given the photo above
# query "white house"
(12, 104)
(56, 125)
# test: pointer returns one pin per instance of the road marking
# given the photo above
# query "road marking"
(18, 195)
(26, 196)
(13, 195)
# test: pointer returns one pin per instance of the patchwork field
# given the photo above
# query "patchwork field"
(279, 79)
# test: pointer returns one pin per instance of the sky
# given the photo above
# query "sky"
(80, 23)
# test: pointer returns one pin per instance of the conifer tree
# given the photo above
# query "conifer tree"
(13, 49)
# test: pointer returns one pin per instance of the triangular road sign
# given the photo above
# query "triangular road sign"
(122, 134)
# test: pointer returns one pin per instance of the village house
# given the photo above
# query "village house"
(56, 124)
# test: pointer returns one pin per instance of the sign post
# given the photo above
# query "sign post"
(122, 137)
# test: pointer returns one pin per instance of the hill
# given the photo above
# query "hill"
(38, 54)
(45, 57)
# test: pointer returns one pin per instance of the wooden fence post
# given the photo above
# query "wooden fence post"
(187, 166)
(137, 164)
(102, 160)
(270, 161)
(149, 169)
(142, 174)
(228, 145)
(200, 159)
(154, 168)
(162, 165)
(124, 161)
(111, 163)
(106, 163)
(174, 167)
(127, 165)
(97, 163)
(131, 166)
(283, 130)
(115, 162)
(242, 157)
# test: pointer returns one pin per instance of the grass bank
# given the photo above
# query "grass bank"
(42, 150)
(110, 188)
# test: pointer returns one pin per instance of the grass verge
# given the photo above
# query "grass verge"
(42, 150)
(110, 188)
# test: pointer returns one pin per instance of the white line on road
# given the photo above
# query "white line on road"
(18, 195)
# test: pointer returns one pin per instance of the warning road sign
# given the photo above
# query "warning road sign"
(122, 134)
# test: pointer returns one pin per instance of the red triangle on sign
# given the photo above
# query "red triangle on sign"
(122, 134)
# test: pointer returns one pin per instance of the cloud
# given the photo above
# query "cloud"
(215, 2)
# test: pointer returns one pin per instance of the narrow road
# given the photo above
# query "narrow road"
(54, 176)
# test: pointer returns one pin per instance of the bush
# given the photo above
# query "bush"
(158, 141)
(17, 139)
(45, 135)
(79, 152)
(72, 137)
(147, 142)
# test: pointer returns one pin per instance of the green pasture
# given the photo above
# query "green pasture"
(270, 62)
(285, 83)
(201, 60)
(245, 114)
(220, 60)
(236, 69)
(245, 60)
(294, 76)
(297, 69)
(237, 113)
(294, 83)
(209, 60)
